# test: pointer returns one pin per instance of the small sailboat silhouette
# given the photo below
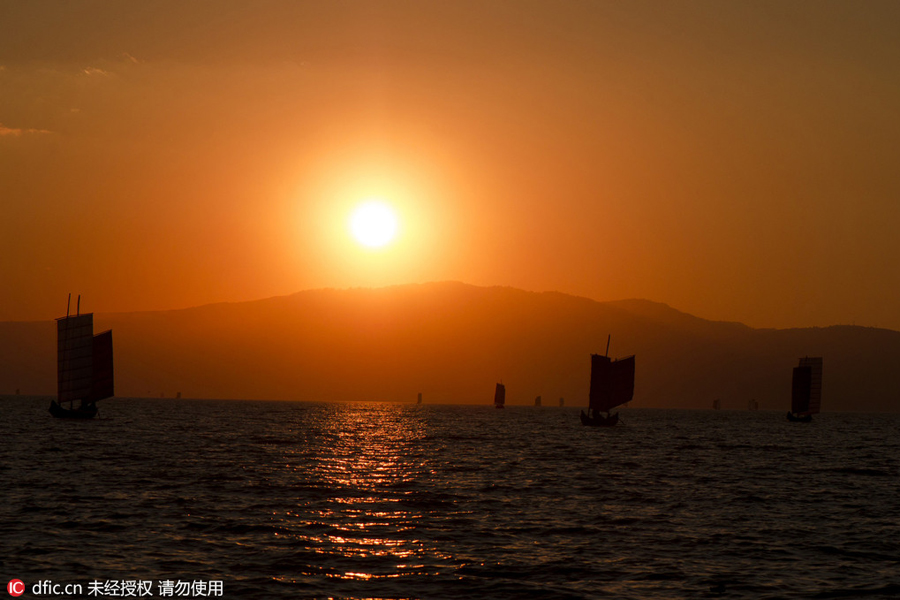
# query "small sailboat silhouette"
(612, 384)
(84, 365)
(806, 390)
(499, 395)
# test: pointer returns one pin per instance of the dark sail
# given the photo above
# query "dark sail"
(806, 386)
(102, 375)
(815, 383)
(74, 357)
(612, 382)
(500, 395)
(800, 390)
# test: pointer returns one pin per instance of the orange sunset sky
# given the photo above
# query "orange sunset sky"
(736, 160)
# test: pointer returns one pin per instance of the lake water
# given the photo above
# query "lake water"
(307, 500)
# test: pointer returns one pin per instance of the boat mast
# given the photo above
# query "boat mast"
(68, 307)
(608, 337)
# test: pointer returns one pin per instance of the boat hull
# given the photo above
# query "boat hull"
(599, 420)
(799, 419)
(82, 412)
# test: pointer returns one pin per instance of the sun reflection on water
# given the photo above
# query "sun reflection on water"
(363, 474)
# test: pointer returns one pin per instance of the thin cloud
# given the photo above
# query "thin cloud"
(15, 132)
(91, 71)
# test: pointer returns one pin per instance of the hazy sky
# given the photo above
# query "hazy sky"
(736, 160)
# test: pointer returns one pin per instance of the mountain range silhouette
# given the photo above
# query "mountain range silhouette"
(453, 342)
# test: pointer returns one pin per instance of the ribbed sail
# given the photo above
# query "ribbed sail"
(800, 385)
(500, 395)
(612, 382)
(102, 378)
(814, 363)
(74, 356)
(601, 366)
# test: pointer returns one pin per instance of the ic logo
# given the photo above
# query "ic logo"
(15, 587)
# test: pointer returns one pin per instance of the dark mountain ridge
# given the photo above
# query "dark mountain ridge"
(452, 342)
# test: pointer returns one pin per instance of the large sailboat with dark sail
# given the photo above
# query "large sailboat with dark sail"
(806, 390)
(84, 366)
(612, 384)
(499, 396)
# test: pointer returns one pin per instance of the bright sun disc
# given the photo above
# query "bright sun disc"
(373, 224)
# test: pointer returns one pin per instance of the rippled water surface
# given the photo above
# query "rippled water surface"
(305, 500)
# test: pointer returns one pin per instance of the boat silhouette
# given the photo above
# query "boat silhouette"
(612, 384)
(84, 366)
(499, 395)
(806, 390)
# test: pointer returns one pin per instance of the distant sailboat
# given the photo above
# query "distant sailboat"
(806, 390)
(84, 366)
(419, 399)
(537, 401)
(499, 396)
(717, 404)
(752, 404)
(612, 384)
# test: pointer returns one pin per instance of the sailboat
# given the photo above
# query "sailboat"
(84, 366)
(612, 384)
(499, 396)
(537, 401)
(419, 399)
(806, 390)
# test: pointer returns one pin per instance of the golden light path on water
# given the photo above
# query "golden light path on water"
(367, 472)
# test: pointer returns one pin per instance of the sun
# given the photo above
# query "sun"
(373, 224)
